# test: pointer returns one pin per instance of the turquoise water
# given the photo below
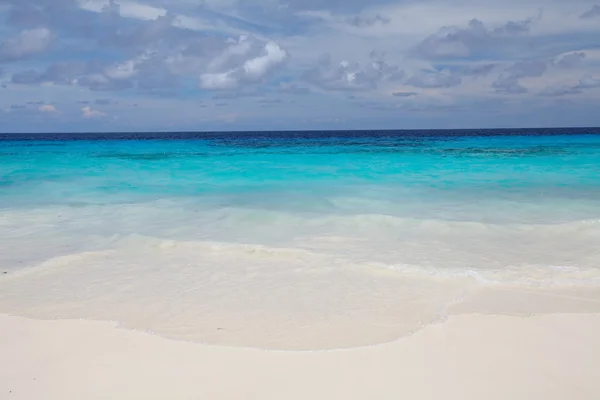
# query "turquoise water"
(272, 172)
(297, 216)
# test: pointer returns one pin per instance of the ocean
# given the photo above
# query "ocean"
(298, 240)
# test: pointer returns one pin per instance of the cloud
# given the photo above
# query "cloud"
(478, 70)
(588, 82)
(47, 108)
(336, 5)
(88, 112)
(144, 72)
(111, 10)
(526, 69)
(237, 93)
(363, 21)
(241, 61)
(40, 13)
(169, 55)
(217, 64)
(591, 13)
(434, 79)
(352, 76)
(65, 73)
(509, 80)
(454, 42)
(571, 60)
(557, 91)
(292, 88)
(268, 103)
(585, 83)
(143, 33)
(404, 94)
(26, 44)
(508, 84)
(104, 102)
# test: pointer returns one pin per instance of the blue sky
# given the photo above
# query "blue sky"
(117, 65)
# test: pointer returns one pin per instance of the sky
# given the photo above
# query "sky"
(193, 65)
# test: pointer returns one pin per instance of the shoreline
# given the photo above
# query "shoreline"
(465, 357)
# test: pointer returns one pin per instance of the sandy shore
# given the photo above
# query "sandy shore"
(466, 357)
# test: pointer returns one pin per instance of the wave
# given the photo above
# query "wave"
(136, 249)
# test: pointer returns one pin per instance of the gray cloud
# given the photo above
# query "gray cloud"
(527, 69)
(99, 82)
(508, 84)
(404, 94)
(588, 82)
(237, 94)
(478, 70)
(26, 44)
(591, 13)
(26, 77)
(62, 16)
(36, 12)
(91, 75)
(349, 6)
(434, 79)
(363, 22)
(269, 103)
(556, 91)
(454, 42)
(158, 53)
(508, 81)
(412, 105)
(292, 88)
(111, 10)
(571, 60)
(351, 76)
(227, 65)
(104, 102)
(144, 33)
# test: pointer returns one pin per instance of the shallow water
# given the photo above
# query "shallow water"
(294, 241)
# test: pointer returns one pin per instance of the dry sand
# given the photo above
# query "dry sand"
(466, 357)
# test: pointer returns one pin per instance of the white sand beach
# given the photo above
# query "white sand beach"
(466, 357)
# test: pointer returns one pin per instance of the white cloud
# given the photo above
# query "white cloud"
(88, 112)
(146, 12)
(245, 60)
(257, 67)
(47, 108)
(128, 9)
(124, 70)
